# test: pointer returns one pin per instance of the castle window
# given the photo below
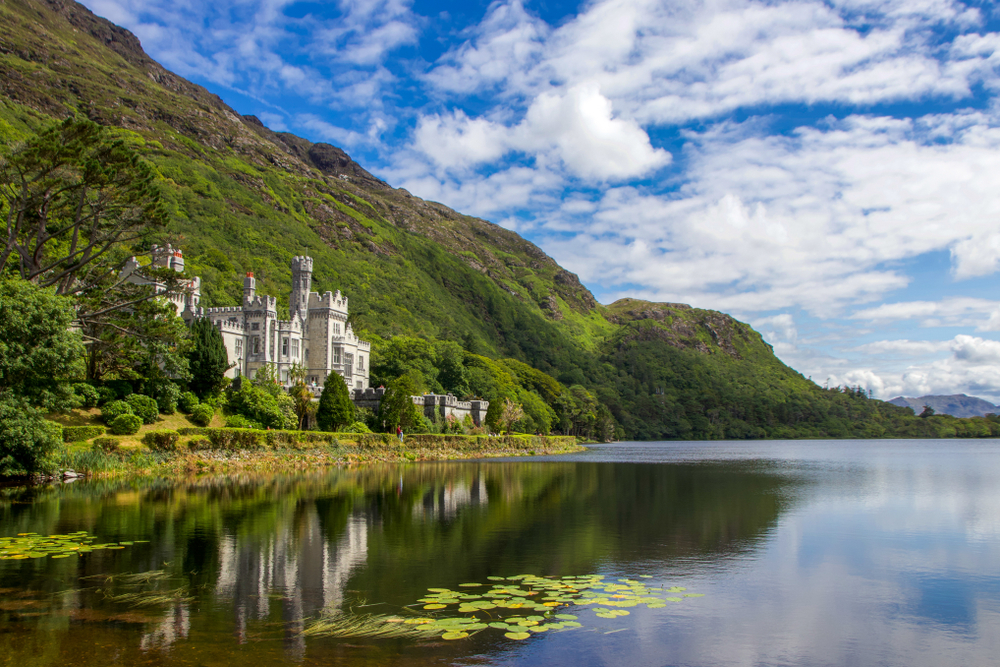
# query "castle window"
(239, 347)
(336, 355)
(336, 328)
(255, 326)
(361, 363)
(295, 349)
(284, 347)
(256, 344)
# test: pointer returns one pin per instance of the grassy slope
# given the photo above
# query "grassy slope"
(246, 199)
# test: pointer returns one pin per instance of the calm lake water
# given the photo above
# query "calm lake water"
(807, 553)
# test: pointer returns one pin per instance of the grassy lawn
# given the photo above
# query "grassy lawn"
(92, 417)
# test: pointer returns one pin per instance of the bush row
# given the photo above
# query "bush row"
(248, 438)
(81, 433)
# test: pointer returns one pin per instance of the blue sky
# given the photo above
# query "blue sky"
(828, 171)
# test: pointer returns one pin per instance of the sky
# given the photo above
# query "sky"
(828, 171)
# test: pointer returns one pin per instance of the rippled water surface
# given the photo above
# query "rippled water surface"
(807, 553)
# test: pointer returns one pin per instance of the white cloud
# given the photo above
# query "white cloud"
(983, 314)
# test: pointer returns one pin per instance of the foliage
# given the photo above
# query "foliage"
(239, 421)
(106, 394)
(208, 359)
(397, 407)
(258, 404)
(71, 196)
(87, 395)
(166, 393)
(510, 413)
(163, 440)
(202, 414)
(29, 443)
(144, 407)
(301, 395)
(187, 402)
(106, 445)
(38, 351)
(114, 409)
(125, 424)
(335, 409)
(81, 433)
(356, 427)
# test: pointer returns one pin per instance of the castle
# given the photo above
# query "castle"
(317, 335)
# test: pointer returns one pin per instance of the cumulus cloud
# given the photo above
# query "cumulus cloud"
(577, 129)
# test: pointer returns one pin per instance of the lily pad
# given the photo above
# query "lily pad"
(454, 635)
(517, 636)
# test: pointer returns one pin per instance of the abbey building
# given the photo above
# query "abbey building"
(316, 335)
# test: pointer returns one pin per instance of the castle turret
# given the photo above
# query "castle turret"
(249, 287)
(301, 285)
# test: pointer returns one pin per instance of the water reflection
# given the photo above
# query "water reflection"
(809, 553)
(261, 554)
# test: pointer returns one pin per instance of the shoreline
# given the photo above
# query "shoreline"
(287, 451)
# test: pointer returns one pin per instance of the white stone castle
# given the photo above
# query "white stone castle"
(317, 335)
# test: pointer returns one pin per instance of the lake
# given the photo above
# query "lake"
(881, 552)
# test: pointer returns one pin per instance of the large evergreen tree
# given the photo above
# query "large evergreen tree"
(397, 407)
(208, 359)
(335, 407)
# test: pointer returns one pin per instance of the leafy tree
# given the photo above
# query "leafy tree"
(397, 407)
(510, 413)
(301, 394)
(259, 405)
(335, 407)
(71, 196)
(28, 441)
(928, 411)
(38, 351)
(208, 360)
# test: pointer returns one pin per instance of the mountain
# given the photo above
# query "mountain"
(245, 198)
(957, 405)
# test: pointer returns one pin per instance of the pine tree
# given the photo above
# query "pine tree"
(397, 407)
(335, 407)
(208, 358)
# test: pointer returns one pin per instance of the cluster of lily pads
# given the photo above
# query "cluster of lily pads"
(519, 606)
(33, 545)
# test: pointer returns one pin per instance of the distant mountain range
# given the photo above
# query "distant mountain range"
(957, 405)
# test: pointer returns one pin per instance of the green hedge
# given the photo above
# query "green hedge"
(163, 440)
(81, 433)
(202, 414)
(249, 438)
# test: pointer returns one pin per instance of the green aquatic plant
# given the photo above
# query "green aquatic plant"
(520, 606)
(33, 545)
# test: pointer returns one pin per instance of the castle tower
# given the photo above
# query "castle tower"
(301, 285)
(249, 287)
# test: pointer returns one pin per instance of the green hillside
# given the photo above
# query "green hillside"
(463, 303)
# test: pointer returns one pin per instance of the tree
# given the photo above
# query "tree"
(39, 354)
(335, 407)
(208, 360)
(509, 414)
(397, 407)
(928, 411)
(71, 196)
(300, 393)
(28, 441)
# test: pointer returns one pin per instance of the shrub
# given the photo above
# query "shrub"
(125, 425)
(144, 407)
(106, 445)
(113, 410)
(261, 406)
(28, 442)
(88, 395)
(166, 394)
(187, 402)
(162, 441)
(106, 395)
(239, 421)
(236, 438)
(202, 414)
(357, 427)
(81, 433)
(122, 388)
